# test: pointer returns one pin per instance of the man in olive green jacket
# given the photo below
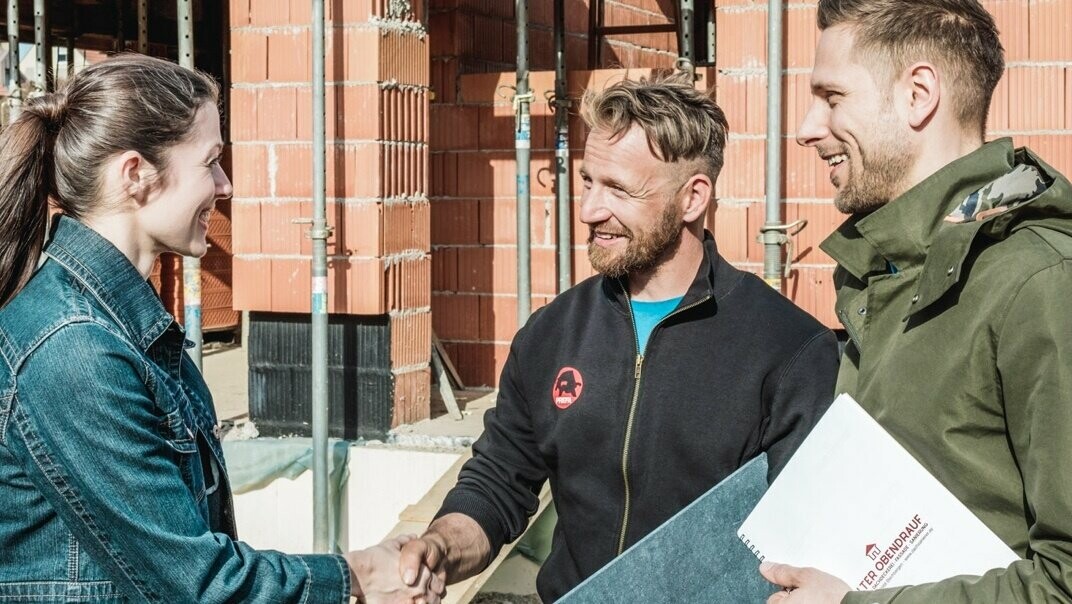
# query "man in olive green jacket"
(954, 284)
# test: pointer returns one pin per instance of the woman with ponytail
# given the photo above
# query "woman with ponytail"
(113, 486)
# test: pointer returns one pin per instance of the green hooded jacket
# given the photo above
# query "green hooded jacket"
(957, 297)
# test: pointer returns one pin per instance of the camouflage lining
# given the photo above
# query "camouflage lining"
(1017, 187)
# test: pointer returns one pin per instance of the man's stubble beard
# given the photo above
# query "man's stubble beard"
(883, 170)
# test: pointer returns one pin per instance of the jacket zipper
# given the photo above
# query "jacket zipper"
(638, 369)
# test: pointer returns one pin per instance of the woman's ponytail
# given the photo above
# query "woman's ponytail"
(27, 180)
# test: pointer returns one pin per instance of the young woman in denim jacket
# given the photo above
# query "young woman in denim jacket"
(112, 484)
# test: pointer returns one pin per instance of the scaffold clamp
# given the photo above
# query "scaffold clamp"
(782, 234)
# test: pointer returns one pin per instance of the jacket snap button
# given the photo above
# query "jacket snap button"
(915, 298)
(951, 269)
(862, 311)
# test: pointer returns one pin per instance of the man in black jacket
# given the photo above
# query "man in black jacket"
(640, 388)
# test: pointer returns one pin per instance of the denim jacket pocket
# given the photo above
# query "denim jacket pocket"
(179, 432)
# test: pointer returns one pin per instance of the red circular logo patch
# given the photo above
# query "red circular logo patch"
(567, 388)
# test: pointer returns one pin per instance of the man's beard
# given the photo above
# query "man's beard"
(644, 250)
(880, 176)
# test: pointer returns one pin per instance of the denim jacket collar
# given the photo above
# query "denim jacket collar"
(110, 277)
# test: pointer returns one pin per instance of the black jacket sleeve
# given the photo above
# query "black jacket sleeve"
(801, 392)
(499, 487)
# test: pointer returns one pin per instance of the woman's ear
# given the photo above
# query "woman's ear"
(135, 175)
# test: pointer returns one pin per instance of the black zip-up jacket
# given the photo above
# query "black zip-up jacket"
(628, 439)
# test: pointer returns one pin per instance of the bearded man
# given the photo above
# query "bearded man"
(642, 387)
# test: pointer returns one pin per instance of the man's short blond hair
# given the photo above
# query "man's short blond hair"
(682, 124)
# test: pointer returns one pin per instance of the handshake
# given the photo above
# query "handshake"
(409, 569)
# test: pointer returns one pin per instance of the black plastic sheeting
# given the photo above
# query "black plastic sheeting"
(360, 383)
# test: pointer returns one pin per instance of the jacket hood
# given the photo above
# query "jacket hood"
(1031, 194)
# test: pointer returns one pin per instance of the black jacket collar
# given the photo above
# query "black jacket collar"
(714, 279)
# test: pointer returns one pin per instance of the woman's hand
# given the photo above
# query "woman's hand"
(374, 576)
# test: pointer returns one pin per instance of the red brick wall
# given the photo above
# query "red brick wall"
(474, 282)
(377, 70)
(638, 50)
(474, 237)
(378, 169)
(741, 90)
(480, 36)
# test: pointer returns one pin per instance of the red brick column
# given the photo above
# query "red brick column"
(377, 67)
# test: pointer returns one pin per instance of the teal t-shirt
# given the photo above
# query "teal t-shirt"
(648, 314)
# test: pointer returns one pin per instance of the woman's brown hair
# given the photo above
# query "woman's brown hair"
(54, 151)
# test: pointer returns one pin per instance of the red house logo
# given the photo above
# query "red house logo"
(872, 551)
(567, 388)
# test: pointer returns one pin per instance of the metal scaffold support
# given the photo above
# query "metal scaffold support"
(712, 30)
(522, 146)
(191, 267)
(686, 38)
(72, 35)
(120, 27)
(143, 26)
(319, 234)
(14, 79)
(42, 52)
(774, 233)
(563, 188)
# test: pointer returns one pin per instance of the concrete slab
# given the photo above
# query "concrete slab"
(473, 404)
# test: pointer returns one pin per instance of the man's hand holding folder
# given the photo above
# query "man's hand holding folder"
(803, 585)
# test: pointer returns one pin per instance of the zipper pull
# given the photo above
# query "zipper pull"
(639, 362)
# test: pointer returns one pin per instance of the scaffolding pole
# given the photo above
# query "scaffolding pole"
(711, 32)
(319, 235)
(563, 185)
(42, 52)
(191, 267)
(120, 26)
(72, 35)
(685, 36)
(143, 26)
(522, 146)
(14, 78)
(773, 234)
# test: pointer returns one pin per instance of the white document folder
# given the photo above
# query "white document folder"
(854, 503)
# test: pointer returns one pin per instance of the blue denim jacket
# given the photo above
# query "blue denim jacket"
(112, 486)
